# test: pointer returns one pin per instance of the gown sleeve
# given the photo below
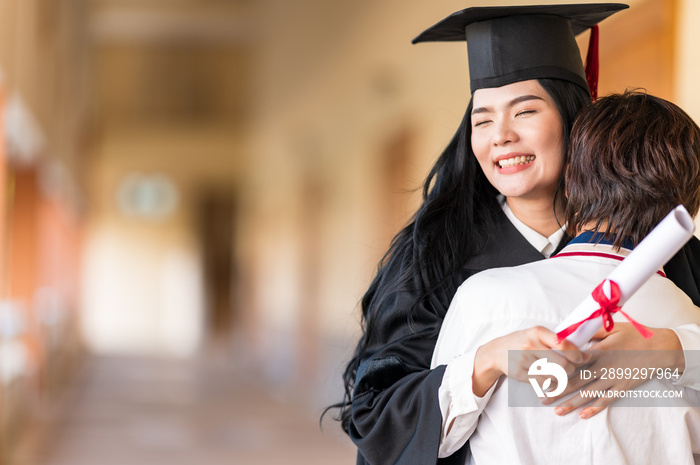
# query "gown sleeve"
(689, 336)
(684, 270)
(395, 412)
(396, 417)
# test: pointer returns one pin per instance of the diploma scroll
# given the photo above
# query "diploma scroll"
(654, 251)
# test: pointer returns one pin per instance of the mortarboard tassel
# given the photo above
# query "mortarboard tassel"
(592, 63)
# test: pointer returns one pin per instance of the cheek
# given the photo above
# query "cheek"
(480, 150)
(556, 166)
(560, 153)
(553, 145)
(546, 135)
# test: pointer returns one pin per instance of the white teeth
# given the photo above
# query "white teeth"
(520, 160)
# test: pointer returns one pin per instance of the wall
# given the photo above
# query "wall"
(41, 202)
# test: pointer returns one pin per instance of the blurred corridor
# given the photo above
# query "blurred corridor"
(156, 411)
(194, 195)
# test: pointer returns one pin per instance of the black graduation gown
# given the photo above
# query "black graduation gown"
(396, 416)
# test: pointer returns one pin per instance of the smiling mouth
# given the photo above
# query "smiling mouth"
(521, 160)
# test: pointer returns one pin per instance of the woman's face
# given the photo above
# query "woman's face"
(518, 139)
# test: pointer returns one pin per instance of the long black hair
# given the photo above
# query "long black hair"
(458, 210)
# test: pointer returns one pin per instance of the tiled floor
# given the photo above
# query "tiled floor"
(126, 411)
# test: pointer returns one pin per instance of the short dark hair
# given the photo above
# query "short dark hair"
(632, 158)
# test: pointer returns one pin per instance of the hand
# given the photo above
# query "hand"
(606, 353)
(492, 361)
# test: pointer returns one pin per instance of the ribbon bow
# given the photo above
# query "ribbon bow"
(608, 306)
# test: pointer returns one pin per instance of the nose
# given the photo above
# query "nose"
(504, 132)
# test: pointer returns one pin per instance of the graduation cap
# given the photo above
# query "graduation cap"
(507, 44)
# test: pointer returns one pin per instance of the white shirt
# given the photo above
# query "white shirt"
(498, 301)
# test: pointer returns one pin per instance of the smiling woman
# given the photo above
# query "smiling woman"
(518, 140)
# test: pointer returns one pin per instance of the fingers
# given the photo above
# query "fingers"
(602, 333)
(572, 404)
(520, 362)
(572, 353)
(598, 405)
(624, 336)
(566, 349)
(596, 393)
(574, 384)
(563, 359)
(527, 346)
(533, 344)
(614, 355)
(579, 400)
(588, 412)
(538, 338)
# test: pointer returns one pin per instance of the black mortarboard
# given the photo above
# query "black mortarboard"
(507, 44)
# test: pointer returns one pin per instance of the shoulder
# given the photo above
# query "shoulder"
(540, 289)
(661, 303)
(505, 247)
(499, 284)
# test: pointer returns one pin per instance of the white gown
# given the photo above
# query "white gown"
(499, 301)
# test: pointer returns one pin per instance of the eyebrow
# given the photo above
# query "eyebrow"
(512, 103)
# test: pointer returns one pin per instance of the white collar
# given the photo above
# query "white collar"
(545, 245)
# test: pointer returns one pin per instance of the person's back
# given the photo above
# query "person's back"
(496, 302)
(633, 157)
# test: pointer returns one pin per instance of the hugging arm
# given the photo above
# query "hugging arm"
(475, 347)
(395, 412)
(398, 423)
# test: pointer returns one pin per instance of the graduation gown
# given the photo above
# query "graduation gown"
(396, 417)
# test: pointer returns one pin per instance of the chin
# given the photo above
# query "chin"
(514, 193)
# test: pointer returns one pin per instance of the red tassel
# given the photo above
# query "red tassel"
(592, 63)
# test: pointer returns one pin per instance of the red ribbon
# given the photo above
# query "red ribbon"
(608, 306)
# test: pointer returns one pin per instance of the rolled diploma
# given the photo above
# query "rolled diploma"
(653, 252)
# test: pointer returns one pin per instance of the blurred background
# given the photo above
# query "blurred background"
(194, 195)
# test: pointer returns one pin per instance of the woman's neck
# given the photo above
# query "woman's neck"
(537, 215)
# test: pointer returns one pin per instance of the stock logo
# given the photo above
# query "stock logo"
(542, 367)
